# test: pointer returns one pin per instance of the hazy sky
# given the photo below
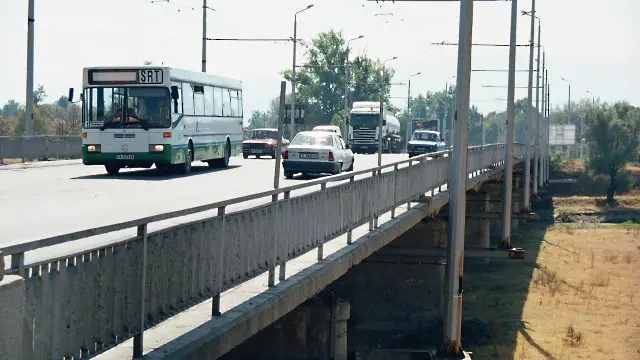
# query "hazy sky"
(592, 43)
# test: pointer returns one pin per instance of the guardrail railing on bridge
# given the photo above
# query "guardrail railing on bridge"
(84, 303)
(28, 148)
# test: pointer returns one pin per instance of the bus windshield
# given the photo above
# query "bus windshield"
(365, 120)
(147, 107)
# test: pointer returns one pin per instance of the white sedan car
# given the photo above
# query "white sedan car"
(316, 152)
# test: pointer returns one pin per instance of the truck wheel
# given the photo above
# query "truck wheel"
(288, 174)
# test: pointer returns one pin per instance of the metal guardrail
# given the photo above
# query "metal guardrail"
(40, 147)
(84, 303)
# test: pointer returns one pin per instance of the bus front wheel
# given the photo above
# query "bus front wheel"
(112, 169)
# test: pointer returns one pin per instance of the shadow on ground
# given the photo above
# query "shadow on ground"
(153, 174)
(496, 293)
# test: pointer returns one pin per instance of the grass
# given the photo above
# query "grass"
(573, 297)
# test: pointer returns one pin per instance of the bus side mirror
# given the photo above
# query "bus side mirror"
(384, 122)
(70, 95)
(174, 93)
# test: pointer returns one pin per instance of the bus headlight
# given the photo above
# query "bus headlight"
(156, 148)
(93, 148)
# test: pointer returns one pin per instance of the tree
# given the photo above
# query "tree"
(39, 95)
(62, 102)
(11, 108)
(320, 82)
(613, 135)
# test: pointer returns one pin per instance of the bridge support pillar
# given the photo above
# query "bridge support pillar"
(478, 230)
(12, 298)
(340, 313)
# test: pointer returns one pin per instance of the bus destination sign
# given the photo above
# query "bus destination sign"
(126, 76)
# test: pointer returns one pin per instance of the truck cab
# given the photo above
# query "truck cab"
(425, 142)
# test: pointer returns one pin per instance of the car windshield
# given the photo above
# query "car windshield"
(425, 136)
(263, 134)
(313, 139)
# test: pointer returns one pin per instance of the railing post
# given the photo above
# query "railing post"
(353, 200)
(371, 224)
(323, 186)
(215, 307)
(17, 264)
(1, 265)
(271, 281)
(409, 202)
(395, 185)
(283, 268)
(138, 340)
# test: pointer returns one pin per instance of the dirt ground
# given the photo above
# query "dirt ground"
(575, 296)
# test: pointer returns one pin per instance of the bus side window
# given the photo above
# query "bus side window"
(217, 101)
(177, 108)
(187, 99)
(226, 102)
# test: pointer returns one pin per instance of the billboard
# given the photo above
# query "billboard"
(562, 134)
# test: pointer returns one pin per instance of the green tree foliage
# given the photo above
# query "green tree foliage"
(321, 80)
(58, 118)
(613, 135)
(11, 108)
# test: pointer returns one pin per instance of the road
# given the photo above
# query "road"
(45, 201)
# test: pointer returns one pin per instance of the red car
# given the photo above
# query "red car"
(262, 142)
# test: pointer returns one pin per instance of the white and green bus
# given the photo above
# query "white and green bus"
(135, 117)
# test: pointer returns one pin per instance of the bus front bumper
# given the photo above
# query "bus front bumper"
(145, 159)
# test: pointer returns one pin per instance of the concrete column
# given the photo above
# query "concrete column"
(12, 307)
(485, 225)
(340, 313)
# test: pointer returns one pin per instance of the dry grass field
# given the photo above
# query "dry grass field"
(577, 293)
(575, 296)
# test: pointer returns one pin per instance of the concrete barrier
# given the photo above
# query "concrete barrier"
(12, 304)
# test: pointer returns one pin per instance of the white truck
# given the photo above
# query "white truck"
(364, 128)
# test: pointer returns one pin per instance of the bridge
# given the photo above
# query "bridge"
(114, 290)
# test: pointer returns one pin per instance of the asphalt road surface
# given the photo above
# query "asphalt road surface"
(45, 201)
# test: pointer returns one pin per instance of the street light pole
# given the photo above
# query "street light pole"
(542, 136)
(569, 108)
(508, 144)
(409, 108)
(28, 113)
(529, 122)
(536, 151)
(381, 119)
(457, 203)
(293, 73)
(346, 90)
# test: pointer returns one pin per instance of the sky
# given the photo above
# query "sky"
(592, 44)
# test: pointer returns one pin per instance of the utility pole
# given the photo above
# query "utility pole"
(28, 113)
(529, 122)
(204, 36)
(346, 90)
(381, 119)
(455, 250)
(408, 135)
(541, 135)
(508, 144)
(408, 113)
(346, 99)
(537, 147)
(293, 73)
(548, 130)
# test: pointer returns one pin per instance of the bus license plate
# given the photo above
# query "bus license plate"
(124, 157)
(256, 151)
